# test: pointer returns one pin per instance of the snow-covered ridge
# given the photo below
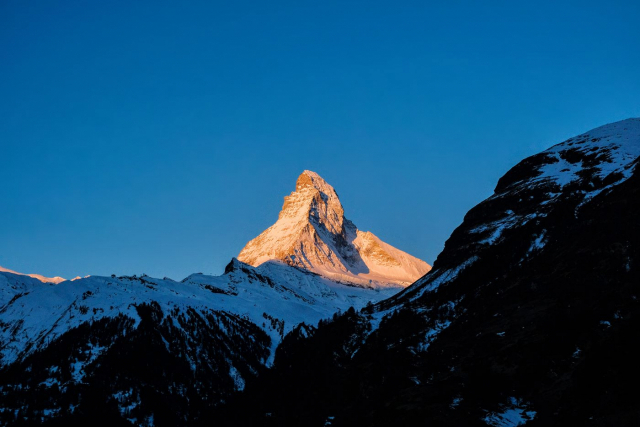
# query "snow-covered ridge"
(581, 167)
(609, 149)
(274, 296)
(574, 171)
(313, 233)
(35, 276)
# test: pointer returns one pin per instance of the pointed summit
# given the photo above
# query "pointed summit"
(311, 179)
(313, 233)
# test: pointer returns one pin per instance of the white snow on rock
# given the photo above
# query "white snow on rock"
(617, 146)
(608, 153)
(36, 276)
(538, 242)
(512, 415)
(33, 313)
(78, 367)
(586, 165)
(432, 334)
(237, 378)
(439, 277)
(313, 233)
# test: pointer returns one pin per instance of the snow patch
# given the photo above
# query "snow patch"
(237, 378)
(432, 334)
(511, 415)
(538, 243)
(455, 402)
(438, 278)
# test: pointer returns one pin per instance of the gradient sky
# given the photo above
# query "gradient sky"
(159, 137)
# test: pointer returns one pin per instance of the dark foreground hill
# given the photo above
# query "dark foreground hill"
(531, 314)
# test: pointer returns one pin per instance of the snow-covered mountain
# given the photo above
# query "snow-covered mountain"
(208, 334)
(274, 296)
(313, 233)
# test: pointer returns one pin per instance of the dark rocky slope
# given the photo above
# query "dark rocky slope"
(530, 315)
(164, 371)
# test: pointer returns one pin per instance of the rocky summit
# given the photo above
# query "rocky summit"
(313, 233)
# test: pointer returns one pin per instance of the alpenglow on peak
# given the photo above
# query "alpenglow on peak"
(312, 233)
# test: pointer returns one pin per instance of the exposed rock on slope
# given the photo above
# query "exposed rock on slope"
(313, 233)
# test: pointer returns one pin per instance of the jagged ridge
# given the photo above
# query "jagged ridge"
(313, 233)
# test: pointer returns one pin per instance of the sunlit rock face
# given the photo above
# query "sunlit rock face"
(313, 233)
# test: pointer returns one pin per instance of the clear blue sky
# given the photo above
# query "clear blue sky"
(159, 137)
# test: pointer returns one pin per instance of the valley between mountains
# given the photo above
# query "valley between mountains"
(529, 316)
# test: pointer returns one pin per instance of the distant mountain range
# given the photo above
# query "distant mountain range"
(529, 317)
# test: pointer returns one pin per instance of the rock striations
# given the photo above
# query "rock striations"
(313, 233)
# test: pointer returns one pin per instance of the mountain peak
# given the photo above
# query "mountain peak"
(311, 179)
(313, 233)
(313, 192)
